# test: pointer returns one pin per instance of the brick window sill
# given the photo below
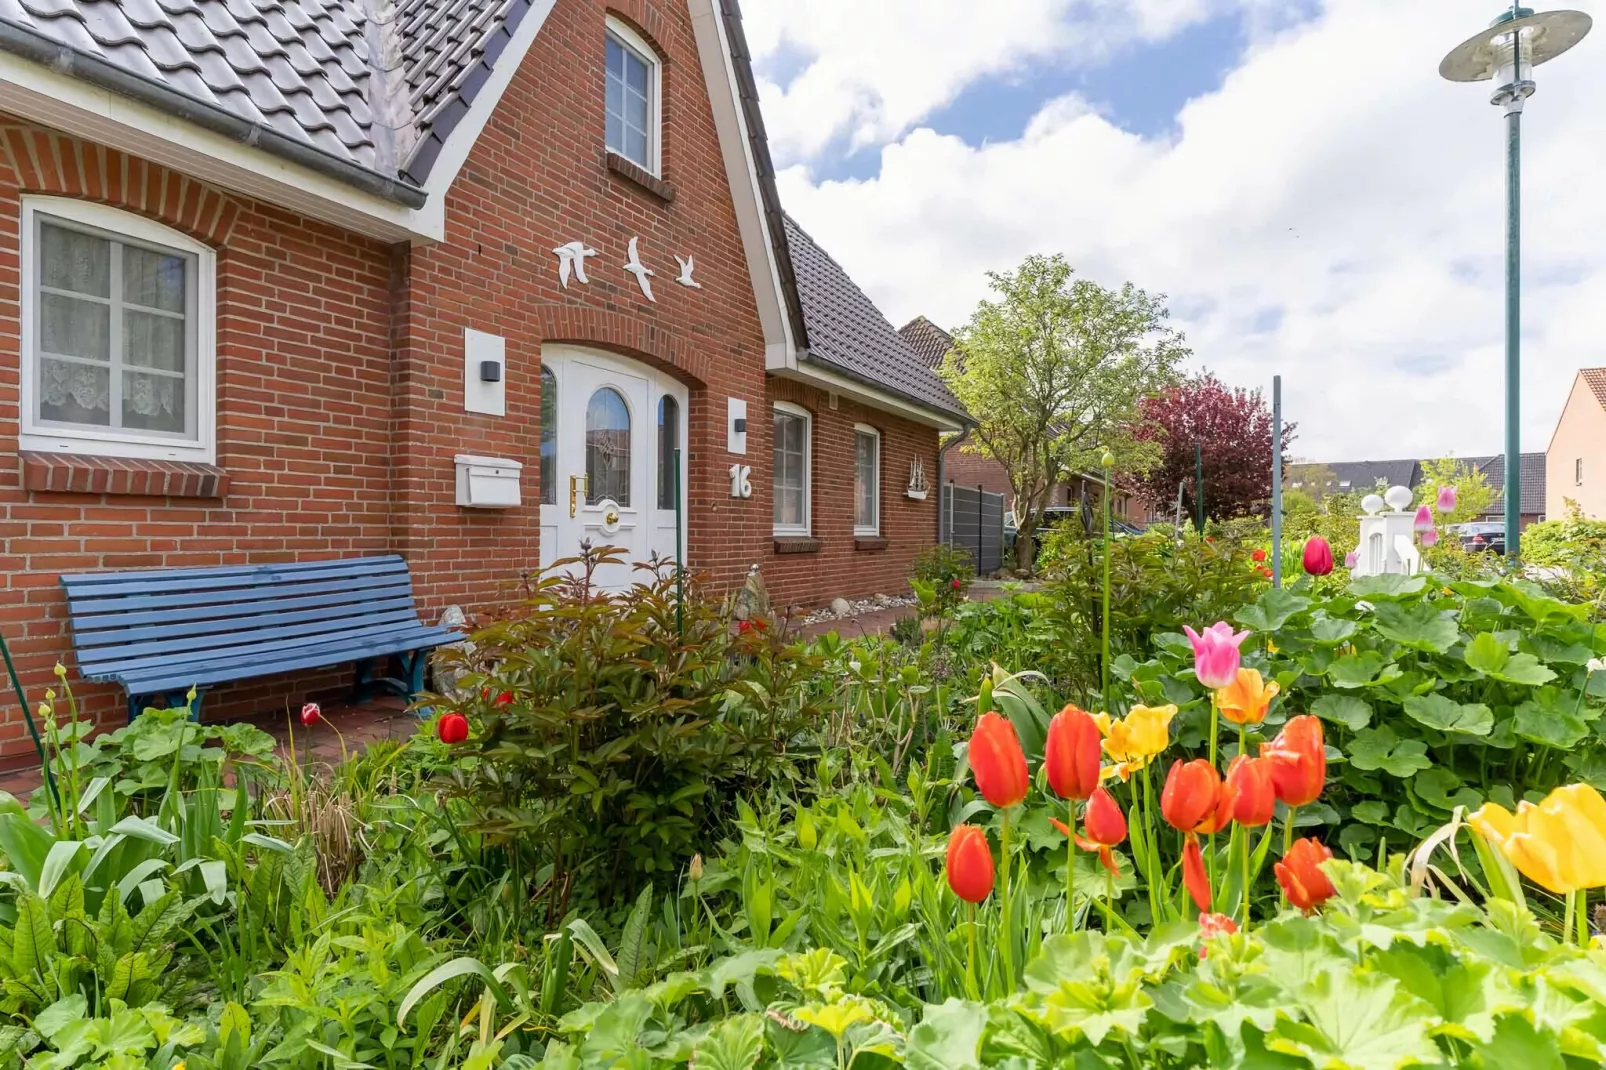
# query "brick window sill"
(796, 544)
(870, 542)
(62, 473)
(641, 177)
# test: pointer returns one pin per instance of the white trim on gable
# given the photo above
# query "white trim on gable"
(780, 348)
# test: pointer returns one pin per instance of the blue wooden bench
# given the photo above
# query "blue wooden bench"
(163, 631)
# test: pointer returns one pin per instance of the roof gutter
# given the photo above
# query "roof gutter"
(942, 479)
(35, 46)
(953, 419)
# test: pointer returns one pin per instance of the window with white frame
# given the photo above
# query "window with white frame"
(866, 480)
(117, 334)
(634, 78)
(792, 432)
(1578, 472)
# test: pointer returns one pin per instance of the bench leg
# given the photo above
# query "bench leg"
(136, 706)
(413, 665)
(362, 680)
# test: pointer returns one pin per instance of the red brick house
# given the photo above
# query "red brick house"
(287, 279)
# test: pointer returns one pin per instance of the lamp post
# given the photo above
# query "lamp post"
(1507, 52)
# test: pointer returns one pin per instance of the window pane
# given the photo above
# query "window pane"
(549, 438)
(668, 442)
(864, 480)
(636, 74)
(616, 59)
(73, 261)
(74, 328)
(635, 146)
(151, 340)
(608, 447)
(153, 402)
(75, 393)
(152, 279)
(791, 469)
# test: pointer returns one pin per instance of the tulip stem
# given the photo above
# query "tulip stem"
(1005, 935)
(1288, 830)
(1246, 879)
(1583, 917)
(1070, 867)
(1568, 913)
(970, 966)
(1215, 720)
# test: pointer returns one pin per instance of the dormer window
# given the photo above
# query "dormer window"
(634, 79)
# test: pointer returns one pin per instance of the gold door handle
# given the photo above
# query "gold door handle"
(611, 517)
(574, 484)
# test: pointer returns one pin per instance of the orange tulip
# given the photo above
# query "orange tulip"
(1298, 761)
(998, 762)
(1191, 797)
(1247, 698)
(1072, 753)
(970, 864)
(1300, 874)
(1251, 797)
(1194, 877)
(1105, 826)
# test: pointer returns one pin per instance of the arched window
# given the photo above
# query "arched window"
(668, 443)
(549, 437)
(608, 447)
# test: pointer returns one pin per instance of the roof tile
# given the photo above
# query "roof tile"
(928, 340)
(1596, 378)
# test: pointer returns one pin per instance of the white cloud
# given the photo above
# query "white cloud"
(1333, 181)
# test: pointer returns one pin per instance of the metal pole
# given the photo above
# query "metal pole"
(1198, 488)
(680, 566)
(1513, 330)
(1276, 481)
(1104, 686)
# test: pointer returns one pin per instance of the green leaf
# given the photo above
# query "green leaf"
(48, 1022)
(947, 1037)
(1330, 631)
(1365, 669)
(1387, 585)
(734, 1044)
(1547, 718)
(1373, 812)
(1490, 655)
(1518, 1043)
(1434, 786)
(33, 942)
(1356, 1020)
(1348, 710)
(459, 967)
(632, 944)
(63, 854)
(1447, 715)
(1381, 748)
(1419, 626)
(1273, 609)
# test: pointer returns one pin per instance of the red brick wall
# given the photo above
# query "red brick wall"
(340, 400)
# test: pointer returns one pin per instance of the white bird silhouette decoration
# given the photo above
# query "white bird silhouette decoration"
(641, 271)
(572, 258)
(686, 267)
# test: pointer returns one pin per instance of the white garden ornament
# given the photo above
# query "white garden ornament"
(1388, 537)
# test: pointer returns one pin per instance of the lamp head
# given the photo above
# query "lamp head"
(1517, 42)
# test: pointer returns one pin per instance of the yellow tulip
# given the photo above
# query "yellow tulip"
(1560, 843)
(1134, 740)
(1246, 699)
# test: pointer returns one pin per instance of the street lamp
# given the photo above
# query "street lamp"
(1508, 51)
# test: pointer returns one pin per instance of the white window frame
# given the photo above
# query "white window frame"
(874, 528)
(624, 35)
(114, 442)
(805, 528)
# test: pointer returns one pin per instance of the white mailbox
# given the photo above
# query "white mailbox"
(487, 482)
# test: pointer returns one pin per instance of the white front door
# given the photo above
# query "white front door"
(607, 445)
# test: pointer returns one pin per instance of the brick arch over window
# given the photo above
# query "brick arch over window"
(645, 18)
(44, 161)
(625, 335)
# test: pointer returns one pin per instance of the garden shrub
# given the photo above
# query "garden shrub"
(613, 733)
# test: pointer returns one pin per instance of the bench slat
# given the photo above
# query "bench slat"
(115, 612)
(304, 658)
(130, 632)
(144, 581)
(202, 640)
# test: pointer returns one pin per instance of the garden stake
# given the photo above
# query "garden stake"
(27, 716)
(1104, 682)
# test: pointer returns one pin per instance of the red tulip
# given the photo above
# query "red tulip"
(452, 728)
(504, 699)
(998, 762)
(1318, 560)
(1072, 753)
(1298, 761)
(311, 714)
(1257, 555)
(1301, 876)
(1251, 795)
(1194, 877)
(956, 583)
(1105, 826)
(1192, 794)
(970, 864)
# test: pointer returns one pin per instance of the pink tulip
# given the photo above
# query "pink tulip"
(1352, 559)
(1447, 499)
(1424, 519)
(1317, 557)
(1215, 654)
(1429, 537)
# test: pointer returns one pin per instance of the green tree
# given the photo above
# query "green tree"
(1053, 371)
(1474, 494)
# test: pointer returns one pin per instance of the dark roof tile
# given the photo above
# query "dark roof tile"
(1532, 475)
(929, 341)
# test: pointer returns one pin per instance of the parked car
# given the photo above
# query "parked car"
(1483, 538)
(1055, 515)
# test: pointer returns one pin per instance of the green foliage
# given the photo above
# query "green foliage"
(1474, 494)
(940, 576)
(1053, 371)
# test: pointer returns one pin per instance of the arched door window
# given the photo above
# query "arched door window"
(668, 443)
(608, 447)
(549, 438)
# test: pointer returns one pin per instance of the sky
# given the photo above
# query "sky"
(1316, 202)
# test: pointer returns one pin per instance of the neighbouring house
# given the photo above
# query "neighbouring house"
(291, 279)
(1576, 457)
(1320, 479)
(931, 344)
